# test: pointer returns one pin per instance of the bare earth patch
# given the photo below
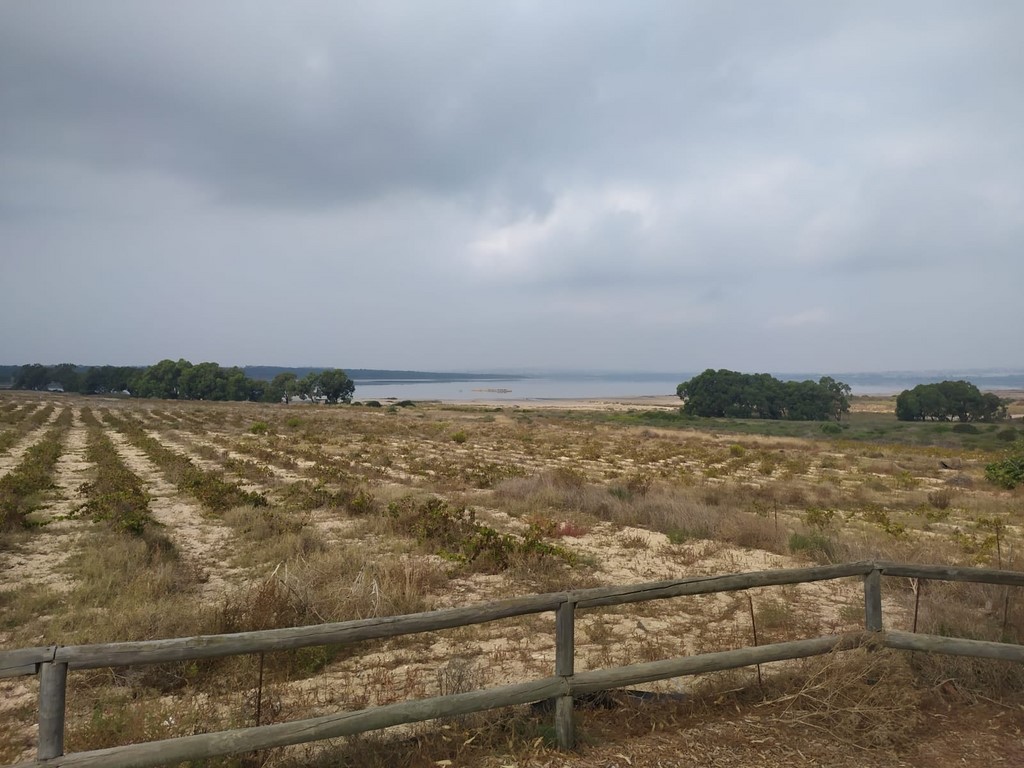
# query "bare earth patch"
(203, 541)
(38, 557)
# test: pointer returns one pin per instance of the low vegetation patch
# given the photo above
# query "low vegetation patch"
(456, 535)
(1008, 472)
(116, 495)
(21, 489)
(209, 488)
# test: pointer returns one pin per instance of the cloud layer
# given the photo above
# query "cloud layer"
(658, 185)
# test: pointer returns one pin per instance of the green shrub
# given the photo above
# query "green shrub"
(1007, 435)
(259, 428)
(815, 545)
(819, 518)
(1008, 472)
(459, 437)
(21, 488)
(831, 428)
(966, 429)
(456, 535)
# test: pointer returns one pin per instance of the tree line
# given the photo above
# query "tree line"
(730, 394)
(947, 400)
(183, 380)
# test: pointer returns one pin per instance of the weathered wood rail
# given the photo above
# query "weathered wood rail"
(52, 663)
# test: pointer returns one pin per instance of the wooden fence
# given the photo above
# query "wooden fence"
(52, 663)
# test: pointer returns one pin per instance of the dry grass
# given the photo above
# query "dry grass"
(338, 539)
(866, 698)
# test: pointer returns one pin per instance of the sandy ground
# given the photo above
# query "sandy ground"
(202, 540)
(509, 653)
(39, 558)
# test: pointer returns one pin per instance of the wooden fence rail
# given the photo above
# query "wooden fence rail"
(52, 663)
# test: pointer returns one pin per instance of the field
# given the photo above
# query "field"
(127, 520)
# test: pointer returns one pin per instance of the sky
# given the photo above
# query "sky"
(581, 184)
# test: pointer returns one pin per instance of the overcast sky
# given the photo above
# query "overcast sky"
(670, 186)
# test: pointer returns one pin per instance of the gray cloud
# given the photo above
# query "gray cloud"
(457, 184)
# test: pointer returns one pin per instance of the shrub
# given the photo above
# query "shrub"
(20, 489)
(455, 534)
(259, 428)
(815, 545)
(459, 437)
(819, 518)
(831, 428)
(1007, 435)
(1008, 472)
(966, 429)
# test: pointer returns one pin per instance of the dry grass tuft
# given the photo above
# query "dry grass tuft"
(865, 698)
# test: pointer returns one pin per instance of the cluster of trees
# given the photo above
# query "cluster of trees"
(181, 380)
(74, 378)
(948, 400)
(330, 385)
(725, 393)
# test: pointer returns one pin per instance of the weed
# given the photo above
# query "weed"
(456, 534)
(814, 545)
(20, 488)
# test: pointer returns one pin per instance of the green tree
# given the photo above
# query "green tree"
(67, 375)
(203, 381)
(284, 387)
(32, 376)
(309, 386)
(729, 394)
(946, 400)
(839, 396)
(335, 385)
(160, 380)
(107, 378)
(908, 408)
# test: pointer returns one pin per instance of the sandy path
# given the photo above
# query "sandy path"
(40, 558)
(204, 542)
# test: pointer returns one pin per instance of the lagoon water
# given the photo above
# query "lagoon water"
(565, 386)
(534, 388)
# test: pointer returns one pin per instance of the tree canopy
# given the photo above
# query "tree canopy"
(725, 393)
(947, 400)
(331, 384)
(182, 380)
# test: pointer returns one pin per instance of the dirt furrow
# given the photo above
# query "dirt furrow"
(286, 475)
(204, 542)
(13, 457)
(187, 448)
(39, 559)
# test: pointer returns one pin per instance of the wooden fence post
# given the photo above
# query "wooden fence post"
(53, 683)
(873, 601)
(565, 651)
